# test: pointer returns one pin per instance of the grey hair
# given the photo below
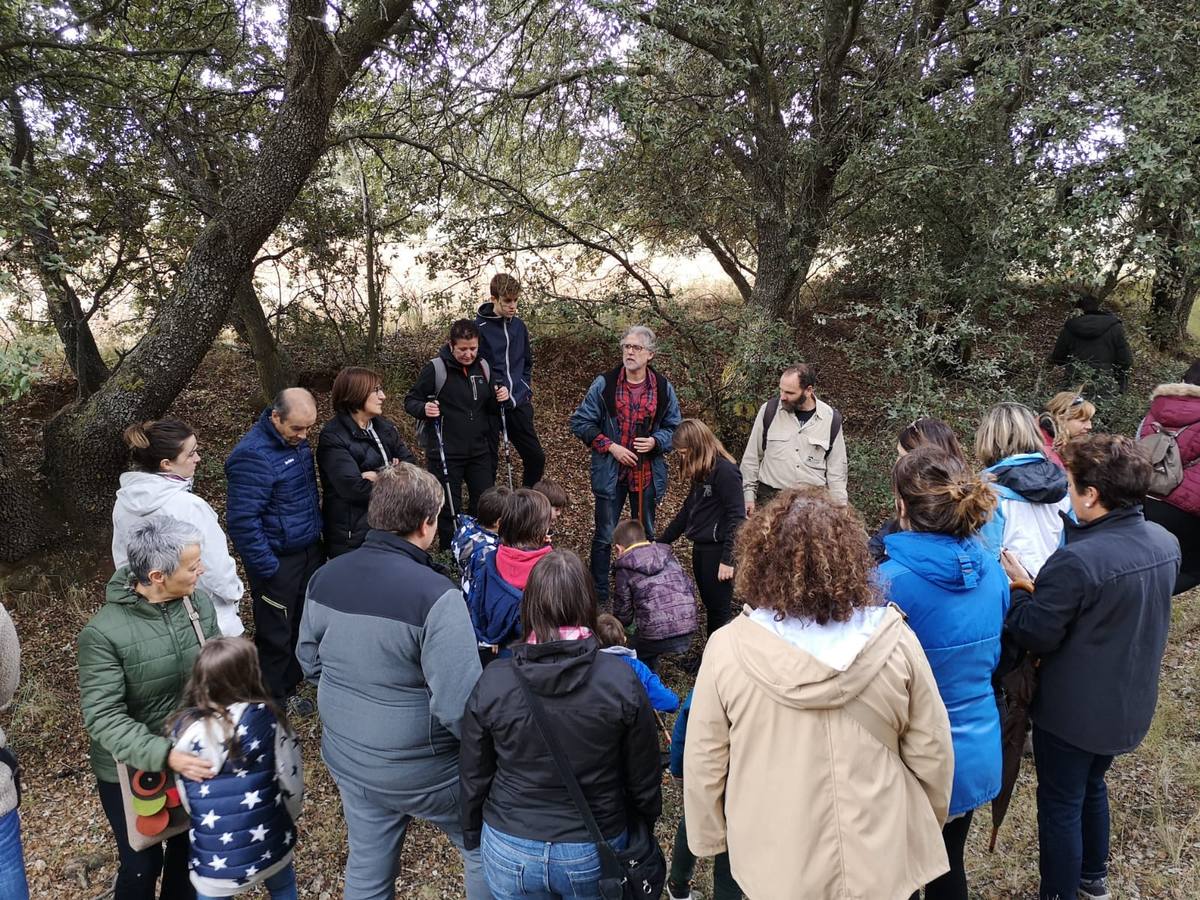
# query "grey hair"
(286, 399)
(156, 545)
(644, 333)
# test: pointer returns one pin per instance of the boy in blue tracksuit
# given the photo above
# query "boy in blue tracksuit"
(504, 343)
(683, 862)
(611, 634)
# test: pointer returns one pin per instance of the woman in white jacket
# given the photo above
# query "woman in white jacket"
(164, 455)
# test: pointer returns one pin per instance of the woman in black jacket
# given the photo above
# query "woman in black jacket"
(710, 516)
(356, 443)
(1098, 619)
(454, 393)
(515, 805)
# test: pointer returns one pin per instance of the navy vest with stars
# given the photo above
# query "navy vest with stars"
(240, 826)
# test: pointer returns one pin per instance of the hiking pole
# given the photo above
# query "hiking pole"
(437, 429)
(507, 445)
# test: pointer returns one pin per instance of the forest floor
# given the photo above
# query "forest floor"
(1155, 792)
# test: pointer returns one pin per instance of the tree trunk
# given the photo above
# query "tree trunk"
(62, 302)
(274, 364)
(374, 306)
(84, 452)
(28, 512)
(1176, 281)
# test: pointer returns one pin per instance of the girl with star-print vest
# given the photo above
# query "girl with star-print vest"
(243, 817)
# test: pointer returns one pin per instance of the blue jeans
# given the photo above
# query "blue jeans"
(1072, 810)
(520, 868)
(281, 885)
(608, 513)
(12, 864)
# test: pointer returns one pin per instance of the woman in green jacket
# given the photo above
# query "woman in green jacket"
(135, 656)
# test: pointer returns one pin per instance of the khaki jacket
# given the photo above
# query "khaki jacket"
(796, 456)
(783, 768)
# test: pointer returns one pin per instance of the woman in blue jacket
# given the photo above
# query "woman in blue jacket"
(955, 596)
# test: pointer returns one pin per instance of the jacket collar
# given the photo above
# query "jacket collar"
(391, 542)
(352, 426)
(1078, 530)
(264, 422)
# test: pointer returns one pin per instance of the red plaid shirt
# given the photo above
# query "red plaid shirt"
(635, 413)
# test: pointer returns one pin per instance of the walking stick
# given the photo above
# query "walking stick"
(507, 445)
(437, 429)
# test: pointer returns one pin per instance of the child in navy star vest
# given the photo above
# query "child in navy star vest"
(243, 818)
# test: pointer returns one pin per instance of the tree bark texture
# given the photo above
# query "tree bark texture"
(274, 364)
(84, 452)
(62, 301)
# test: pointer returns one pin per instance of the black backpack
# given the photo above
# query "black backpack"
(769, 416)
(424, 429)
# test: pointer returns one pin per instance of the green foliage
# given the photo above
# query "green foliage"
(21, 362)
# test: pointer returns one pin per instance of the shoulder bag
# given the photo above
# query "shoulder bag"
(638, 871)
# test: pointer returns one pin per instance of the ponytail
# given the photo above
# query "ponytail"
(940, 494)
(151, 442)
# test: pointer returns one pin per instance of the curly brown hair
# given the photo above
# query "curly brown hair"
(804, 556)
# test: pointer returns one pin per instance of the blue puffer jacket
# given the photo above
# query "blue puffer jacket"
(1032, 491)
(505, 344)
(494, 604)
(272, 504)
(662, 698)
(956, 596)
(597, 414)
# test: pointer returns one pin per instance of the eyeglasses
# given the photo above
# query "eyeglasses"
(633, 348)
(378, 389)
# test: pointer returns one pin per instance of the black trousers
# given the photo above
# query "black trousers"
(717, 596)
(138, 870)
(1186, 528)
(278, 604)
(523, 436)
(479, 473)
(952, 885)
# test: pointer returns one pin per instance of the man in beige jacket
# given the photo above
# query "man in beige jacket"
(797, 441)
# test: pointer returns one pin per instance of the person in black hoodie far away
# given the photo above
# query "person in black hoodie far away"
(1093, 348)
(454, 390)
(504, 343)
(514, 802)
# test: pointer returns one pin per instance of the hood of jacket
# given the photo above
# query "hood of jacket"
(1090, 326)
(953, 564)
(556, 667)
(1032, 477)
(797, 678)
(514, 564)
(488, 311)
(647, 559)
(1175, 405)
(144, 493)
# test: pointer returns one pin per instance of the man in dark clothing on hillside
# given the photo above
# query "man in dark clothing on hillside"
(504, 343)
(273, 512)
(1093, 348)
(454, 391)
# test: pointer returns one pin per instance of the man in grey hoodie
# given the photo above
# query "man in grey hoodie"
(387, 638)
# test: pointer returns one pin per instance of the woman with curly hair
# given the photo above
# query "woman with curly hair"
(1067, 416)
(819, 751)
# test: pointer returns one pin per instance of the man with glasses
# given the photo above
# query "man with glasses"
(797, 440)
(627, 420)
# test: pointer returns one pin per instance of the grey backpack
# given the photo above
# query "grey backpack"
(1161, 447)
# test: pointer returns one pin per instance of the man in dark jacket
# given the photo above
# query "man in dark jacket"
(1091, 346)
(453, 393)
(504, 343)
(388, 640)
(1098, 619)
(626, 419)
(274, 516)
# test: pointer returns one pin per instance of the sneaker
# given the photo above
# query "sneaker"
(673, 892)
(1095, 889)
(300, 707)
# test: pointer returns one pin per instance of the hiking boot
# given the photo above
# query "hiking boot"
(300, 707)
(1094, 889)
